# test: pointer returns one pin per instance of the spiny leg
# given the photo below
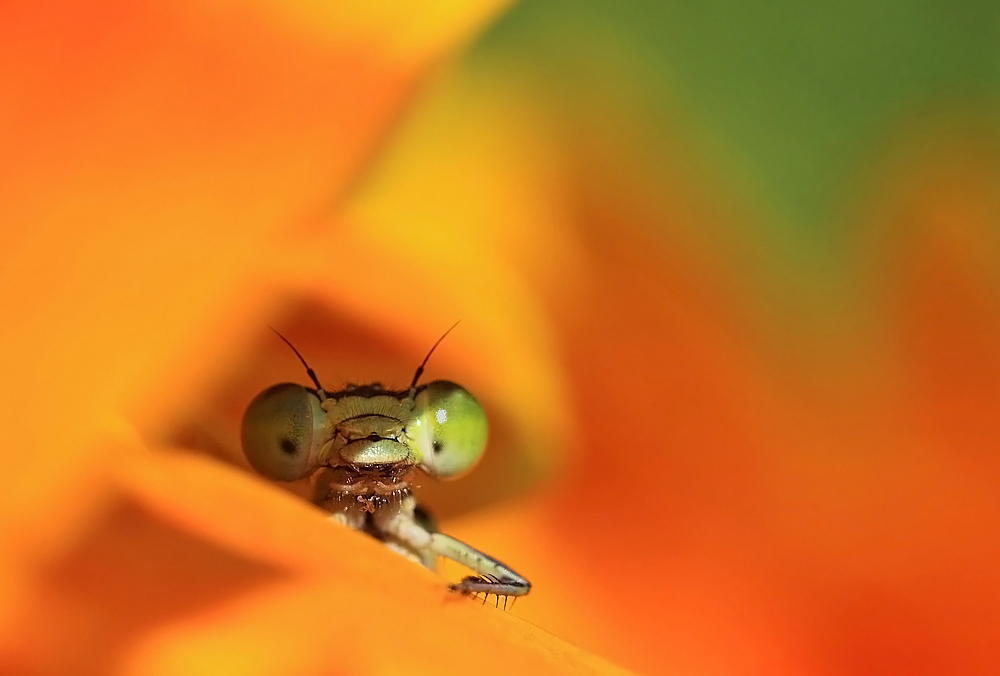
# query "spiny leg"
(404, 523)
(493, 577)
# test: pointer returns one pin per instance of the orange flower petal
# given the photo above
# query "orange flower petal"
(192, 568)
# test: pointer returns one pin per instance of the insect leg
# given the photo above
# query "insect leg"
(492, 576)
(426, 521)
(407, 527)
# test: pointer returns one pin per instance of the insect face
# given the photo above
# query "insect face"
(288, 432)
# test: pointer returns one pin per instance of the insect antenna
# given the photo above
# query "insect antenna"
(420, 369)
(309, 371)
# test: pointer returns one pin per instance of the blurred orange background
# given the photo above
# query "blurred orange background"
(727, 278)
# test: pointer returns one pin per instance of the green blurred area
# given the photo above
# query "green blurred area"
(786, 96)
(777, 127)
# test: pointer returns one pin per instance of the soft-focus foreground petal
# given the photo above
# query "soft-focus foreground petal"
(240, 578)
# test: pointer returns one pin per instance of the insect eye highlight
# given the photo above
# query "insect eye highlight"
(282, 432)
(452, 431)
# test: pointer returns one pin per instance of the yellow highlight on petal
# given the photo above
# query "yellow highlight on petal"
(407, 31)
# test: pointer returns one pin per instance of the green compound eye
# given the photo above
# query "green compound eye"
(450, 430)
(282, 432)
